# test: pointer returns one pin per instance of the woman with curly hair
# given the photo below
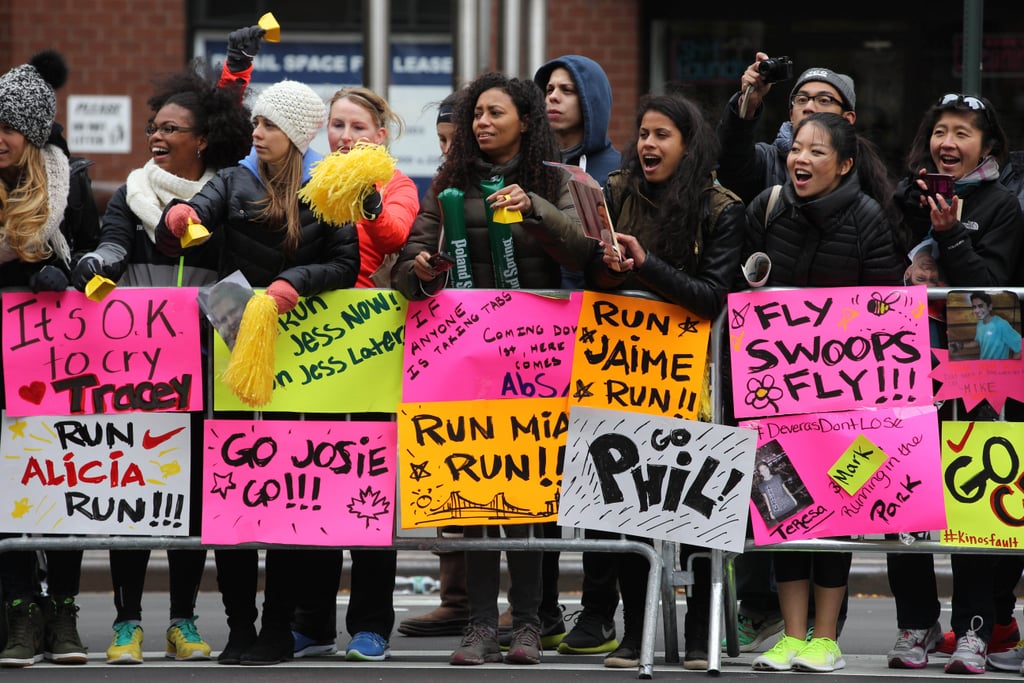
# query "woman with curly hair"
(197, 128)
(502, 140)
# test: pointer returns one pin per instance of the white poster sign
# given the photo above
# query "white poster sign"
(99, 123)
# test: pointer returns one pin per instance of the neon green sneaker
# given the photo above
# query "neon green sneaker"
(780, 657)
(126, 648)
(822, 655)
(184, 642)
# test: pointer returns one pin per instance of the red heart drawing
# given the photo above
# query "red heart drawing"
(33, 393)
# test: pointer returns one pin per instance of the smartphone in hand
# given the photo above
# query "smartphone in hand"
(441, 262)
(939, 183)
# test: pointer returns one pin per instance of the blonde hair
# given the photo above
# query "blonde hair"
(377, 107)
(25, 210)
(281, 206)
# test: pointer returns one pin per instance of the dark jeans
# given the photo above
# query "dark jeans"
(19, 576)
(483, 578)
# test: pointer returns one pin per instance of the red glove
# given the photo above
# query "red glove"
(177, 217)
(284, 295)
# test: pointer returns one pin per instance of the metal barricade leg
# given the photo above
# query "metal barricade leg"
(669, 552)
(732, 641)
(650, 616)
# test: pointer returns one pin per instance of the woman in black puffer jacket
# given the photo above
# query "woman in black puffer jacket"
(822, 232)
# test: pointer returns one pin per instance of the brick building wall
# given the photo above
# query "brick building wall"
(115, 47)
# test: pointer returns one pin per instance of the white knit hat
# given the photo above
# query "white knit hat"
(295, 108)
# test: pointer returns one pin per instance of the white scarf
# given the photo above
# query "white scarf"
(150, 189)
(58, 184)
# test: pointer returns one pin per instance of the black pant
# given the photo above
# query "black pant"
(128, 576)
(912, 581)
(371, 604)
(19, 575)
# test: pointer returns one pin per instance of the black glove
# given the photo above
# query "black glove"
(87, 266)
(243, 45)
(373, 204)
(48, 279)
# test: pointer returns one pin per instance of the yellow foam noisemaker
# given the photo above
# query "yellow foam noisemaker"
(195, 234)
(250, 372)
(273, 29)
(505, 215)
(98, 287)
(339, 182)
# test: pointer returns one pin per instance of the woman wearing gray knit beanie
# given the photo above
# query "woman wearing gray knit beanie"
(43, 203)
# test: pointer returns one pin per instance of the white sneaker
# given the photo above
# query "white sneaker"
(969, 656)
(912, 647)
(1011, 660)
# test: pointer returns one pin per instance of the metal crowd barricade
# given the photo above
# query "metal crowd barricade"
(723, 588)
(575, 544)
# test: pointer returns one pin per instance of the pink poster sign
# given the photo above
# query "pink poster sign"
(819, 350)
(867, 471)
(467, 344)
(299, 482)
(978, 380)
(137, 350)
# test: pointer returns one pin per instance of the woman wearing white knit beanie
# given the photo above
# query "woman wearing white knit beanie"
(274, 239)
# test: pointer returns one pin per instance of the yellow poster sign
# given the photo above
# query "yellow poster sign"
(638, 355)
(336, 352)
(857, 464)
(983, 477)
(481, 462)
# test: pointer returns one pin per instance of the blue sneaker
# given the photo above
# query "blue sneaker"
(308, 647)
(367, 646)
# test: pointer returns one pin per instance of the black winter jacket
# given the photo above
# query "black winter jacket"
(840, 240)
(702, 292)
(984, 246)
(326, 258)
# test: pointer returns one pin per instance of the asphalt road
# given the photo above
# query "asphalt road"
(870, 632)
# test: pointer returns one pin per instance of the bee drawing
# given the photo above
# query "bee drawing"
(879, 306)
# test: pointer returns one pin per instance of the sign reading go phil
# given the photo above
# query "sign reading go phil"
(137, 350)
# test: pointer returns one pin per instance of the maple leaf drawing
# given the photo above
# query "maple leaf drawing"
(369, 505)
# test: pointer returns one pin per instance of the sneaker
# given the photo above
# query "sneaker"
(24, 634)
(479, 646)
(780, 657)
(592, 634)
(752, 633)
(1009, 660)
(126, 647)
(184, 642)
(309, 647)
(969, 655)
(60, 635)
(912, 647)
(552, 631)
(1004, 637)
(525, 646)
(624, 657)
(820, 654)
(367, 646)
(272, 646)
(695, 659)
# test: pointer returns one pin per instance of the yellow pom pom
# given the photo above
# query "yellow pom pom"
(250, 372)
(339, 182)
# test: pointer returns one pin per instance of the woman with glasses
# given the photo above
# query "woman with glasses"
(978, 231)
(196, 129)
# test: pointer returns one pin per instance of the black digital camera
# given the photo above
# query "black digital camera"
(776, 69)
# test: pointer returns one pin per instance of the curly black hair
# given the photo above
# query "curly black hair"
(217, 113)
(537, 145)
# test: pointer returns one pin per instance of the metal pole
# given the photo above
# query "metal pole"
(511, 35)
(376, 50)
(537, 35)
(973, 30)
(466, 42)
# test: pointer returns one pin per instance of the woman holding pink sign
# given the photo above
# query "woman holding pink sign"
(819, 229)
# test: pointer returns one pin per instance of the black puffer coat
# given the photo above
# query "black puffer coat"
(326, 258)
(840, 240)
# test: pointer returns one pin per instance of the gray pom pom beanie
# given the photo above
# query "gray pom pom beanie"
(28, 103)
(295, 108)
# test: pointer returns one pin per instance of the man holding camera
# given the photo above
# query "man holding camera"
(746, 167)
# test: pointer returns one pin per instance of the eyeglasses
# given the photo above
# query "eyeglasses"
(821, 99)
(167, 129)
(972, 102)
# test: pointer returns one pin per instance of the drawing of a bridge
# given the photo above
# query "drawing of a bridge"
(456, 506)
